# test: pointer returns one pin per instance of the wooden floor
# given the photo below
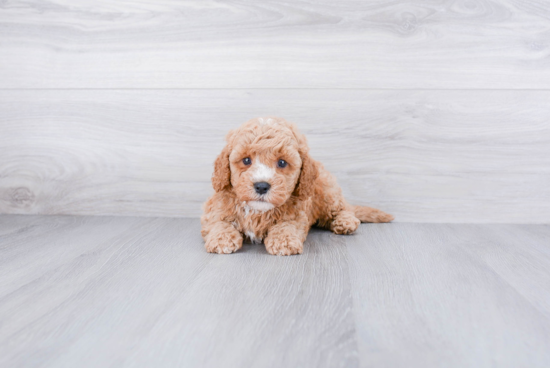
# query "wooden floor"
(123, 291)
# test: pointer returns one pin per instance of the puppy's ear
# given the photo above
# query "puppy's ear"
(221, 178)
(304, 187)
(308, 175)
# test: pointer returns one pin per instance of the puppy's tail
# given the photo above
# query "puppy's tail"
(369, 214)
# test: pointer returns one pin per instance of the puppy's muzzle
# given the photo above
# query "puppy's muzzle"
(262, 187)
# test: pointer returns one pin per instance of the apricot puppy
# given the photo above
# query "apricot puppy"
(269, 189)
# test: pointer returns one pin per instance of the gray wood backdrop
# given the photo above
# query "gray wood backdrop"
(434, 110)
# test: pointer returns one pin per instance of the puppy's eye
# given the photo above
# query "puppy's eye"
(282, 163)
(247, 161)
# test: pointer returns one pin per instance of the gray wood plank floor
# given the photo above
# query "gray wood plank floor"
(123, 291)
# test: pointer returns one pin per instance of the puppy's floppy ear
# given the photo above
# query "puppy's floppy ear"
(221, 178)
(304, 187)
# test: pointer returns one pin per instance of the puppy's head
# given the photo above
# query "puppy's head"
(264, 163)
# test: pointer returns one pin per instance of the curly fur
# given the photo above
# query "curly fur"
(302, 194)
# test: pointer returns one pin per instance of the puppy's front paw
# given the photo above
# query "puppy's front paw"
(344, 223)
(224, 242)
(282, 242)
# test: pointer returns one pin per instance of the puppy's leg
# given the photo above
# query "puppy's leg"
(222, 237)
(286, 238)
(345, 222)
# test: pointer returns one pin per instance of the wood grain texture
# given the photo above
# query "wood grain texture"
(451, 295)
(275, 44)
(141, 292)
(425, 156)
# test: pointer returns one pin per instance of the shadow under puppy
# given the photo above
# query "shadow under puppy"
(269, 188)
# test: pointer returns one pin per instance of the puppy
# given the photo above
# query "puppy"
(269, 189)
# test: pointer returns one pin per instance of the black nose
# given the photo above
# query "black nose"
(262, 187)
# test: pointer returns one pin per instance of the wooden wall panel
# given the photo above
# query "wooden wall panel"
(479, 44)
(425, 156)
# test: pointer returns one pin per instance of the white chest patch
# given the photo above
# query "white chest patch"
(253, 238)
